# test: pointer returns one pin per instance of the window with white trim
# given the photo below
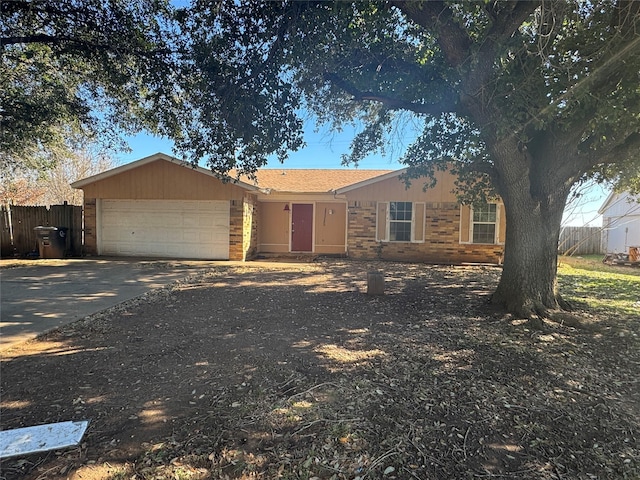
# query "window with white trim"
(484, 225)
(400, 222)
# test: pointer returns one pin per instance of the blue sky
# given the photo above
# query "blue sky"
(324, 150)
(586, 212)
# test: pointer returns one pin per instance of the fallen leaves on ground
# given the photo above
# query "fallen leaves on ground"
(294, 372)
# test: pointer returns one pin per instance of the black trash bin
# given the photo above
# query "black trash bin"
(52, 241)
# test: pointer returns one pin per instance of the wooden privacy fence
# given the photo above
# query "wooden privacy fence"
(18, 237)
(580, 241)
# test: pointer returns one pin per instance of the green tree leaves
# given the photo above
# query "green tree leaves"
(85, 69)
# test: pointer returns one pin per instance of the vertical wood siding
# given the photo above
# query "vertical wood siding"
(163, 180)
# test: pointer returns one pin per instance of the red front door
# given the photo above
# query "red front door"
(301, 227)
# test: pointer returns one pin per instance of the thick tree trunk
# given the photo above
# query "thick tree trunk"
(528, 283)
(534, 204)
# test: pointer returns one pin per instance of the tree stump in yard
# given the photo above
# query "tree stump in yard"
(375, 283)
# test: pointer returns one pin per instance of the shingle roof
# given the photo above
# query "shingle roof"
(309, 180)
(276, 179)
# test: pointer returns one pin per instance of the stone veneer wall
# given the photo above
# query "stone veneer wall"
(90, 227)
(250, 226)
(441, 243)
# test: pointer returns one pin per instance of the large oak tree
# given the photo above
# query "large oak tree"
(526, 98)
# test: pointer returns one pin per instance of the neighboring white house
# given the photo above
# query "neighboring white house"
(620, 222)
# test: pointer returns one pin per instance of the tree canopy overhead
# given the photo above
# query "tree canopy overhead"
(78, 69)
(472, 71)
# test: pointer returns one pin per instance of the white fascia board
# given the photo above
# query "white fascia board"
(276, 196)
(606, 203)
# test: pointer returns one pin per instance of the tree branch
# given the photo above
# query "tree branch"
(597, 81)
(70, 44)
(483, 167)
(447, 104)
(454, 41)
(623, 150)
(437, 16)
(276, 45)
(38, 38)
(504, 25)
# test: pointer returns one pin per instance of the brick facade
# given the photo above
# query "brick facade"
(441, 243)
(90, 227)
(442, 238)
(236, 230)
(160, 177)
(361, 230)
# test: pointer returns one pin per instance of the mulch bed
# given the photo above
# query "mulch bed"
(293, 371)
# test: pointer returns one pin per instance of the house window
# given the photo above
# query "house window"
(400, 221)
(485, 218)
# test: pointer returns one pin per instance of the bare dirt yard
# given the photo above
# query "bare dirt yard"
(292, 371)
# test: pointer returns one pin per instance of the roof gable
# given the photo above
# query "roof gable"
(369, 181)
(150, 159)
(620, 204)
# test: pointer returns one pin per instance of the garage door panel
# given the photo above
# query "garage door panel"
(157, 249)
(218, 236)
(187, 229)
(109, 236)
(195, 236)
(200, 220)
(171, 220)
(192, 221)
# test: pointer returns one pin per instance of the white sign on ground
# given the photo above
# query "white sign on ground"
(40, 438)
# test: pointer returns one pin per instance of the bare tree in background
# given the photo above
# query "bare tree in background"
(56, 181)
(19, 189)
(582, 195)
(52, 186)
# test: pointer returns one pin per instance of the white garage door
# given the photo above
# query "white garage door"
(164, 228)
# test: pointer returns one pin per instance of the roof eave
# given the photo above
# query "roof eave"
(273, 191)
(370, 181)
(606, 203)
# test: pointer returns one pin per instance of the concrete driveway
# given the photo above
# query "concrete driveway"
(38, 295)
